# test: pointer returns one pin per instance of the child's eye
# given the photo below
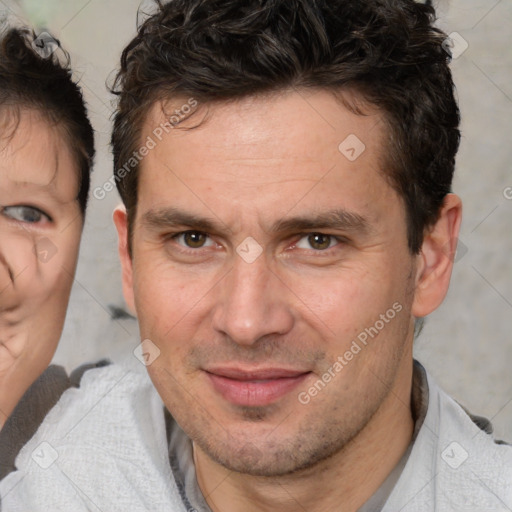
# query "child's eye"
(28, 214)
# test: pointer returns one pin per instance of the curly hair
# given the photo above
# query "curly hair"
(28, 80)
(388, 51)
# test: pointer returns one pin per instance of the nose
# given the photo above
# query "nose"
(252, 303)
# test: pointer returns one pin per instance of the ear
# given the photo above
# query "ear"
(435, 261)
(121, 222)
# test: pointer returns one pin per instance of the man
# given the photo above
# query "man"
(285, 168)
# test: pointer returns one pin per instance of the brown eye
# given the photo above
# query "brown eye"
(194, 239)
(319, 241)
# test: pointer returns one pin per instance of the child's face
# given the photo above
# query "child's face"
(40, 228)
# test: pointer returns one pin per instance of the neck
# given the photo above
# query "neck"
(344, 482)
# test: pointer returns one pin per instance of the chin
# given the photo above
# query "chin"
(278, 458)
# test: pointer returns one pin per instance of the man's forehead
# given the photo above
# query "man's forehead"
(316, 106)
(297, 133)
(266, 152)
(172, 112)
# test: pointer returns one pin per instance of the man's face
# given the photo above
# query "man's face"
(40, 227)
(245, 337)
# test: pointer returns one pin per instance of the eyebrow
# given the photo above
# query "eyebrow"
(340, 220)
(171, 217)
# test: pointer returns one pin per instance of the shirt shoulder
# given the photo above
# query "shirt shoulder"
(455, 462)
(103, 443)
(31, 410)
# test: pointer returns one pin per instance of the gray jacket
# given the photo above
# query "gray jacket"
(105, 447)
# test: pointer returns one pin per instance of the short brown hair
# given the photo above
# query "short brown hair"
(388, 51)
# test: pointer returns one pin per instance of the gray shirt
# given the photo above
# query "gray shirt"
(105, 446)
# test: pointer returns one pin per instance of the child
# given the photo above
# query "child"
(46, 153)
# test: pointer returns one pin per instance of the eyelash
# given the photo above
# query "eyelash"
(4, 210)
(184, 248)
(332, 238)
(190, 250)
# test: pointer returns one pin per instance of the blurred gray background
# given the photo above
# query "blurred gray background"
(466, 344)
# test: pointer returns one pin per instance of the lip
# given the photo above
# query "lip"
(254, 387)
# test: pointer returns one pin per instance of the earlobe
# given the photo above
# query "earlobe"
(435, 261)
(121, 222)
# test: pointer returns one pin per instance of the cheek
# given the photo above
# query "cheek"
(167, 292)
(53, 269)
(67, 251)
(16, 251)
(347, 301)
(164, 297)
(57, 254)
